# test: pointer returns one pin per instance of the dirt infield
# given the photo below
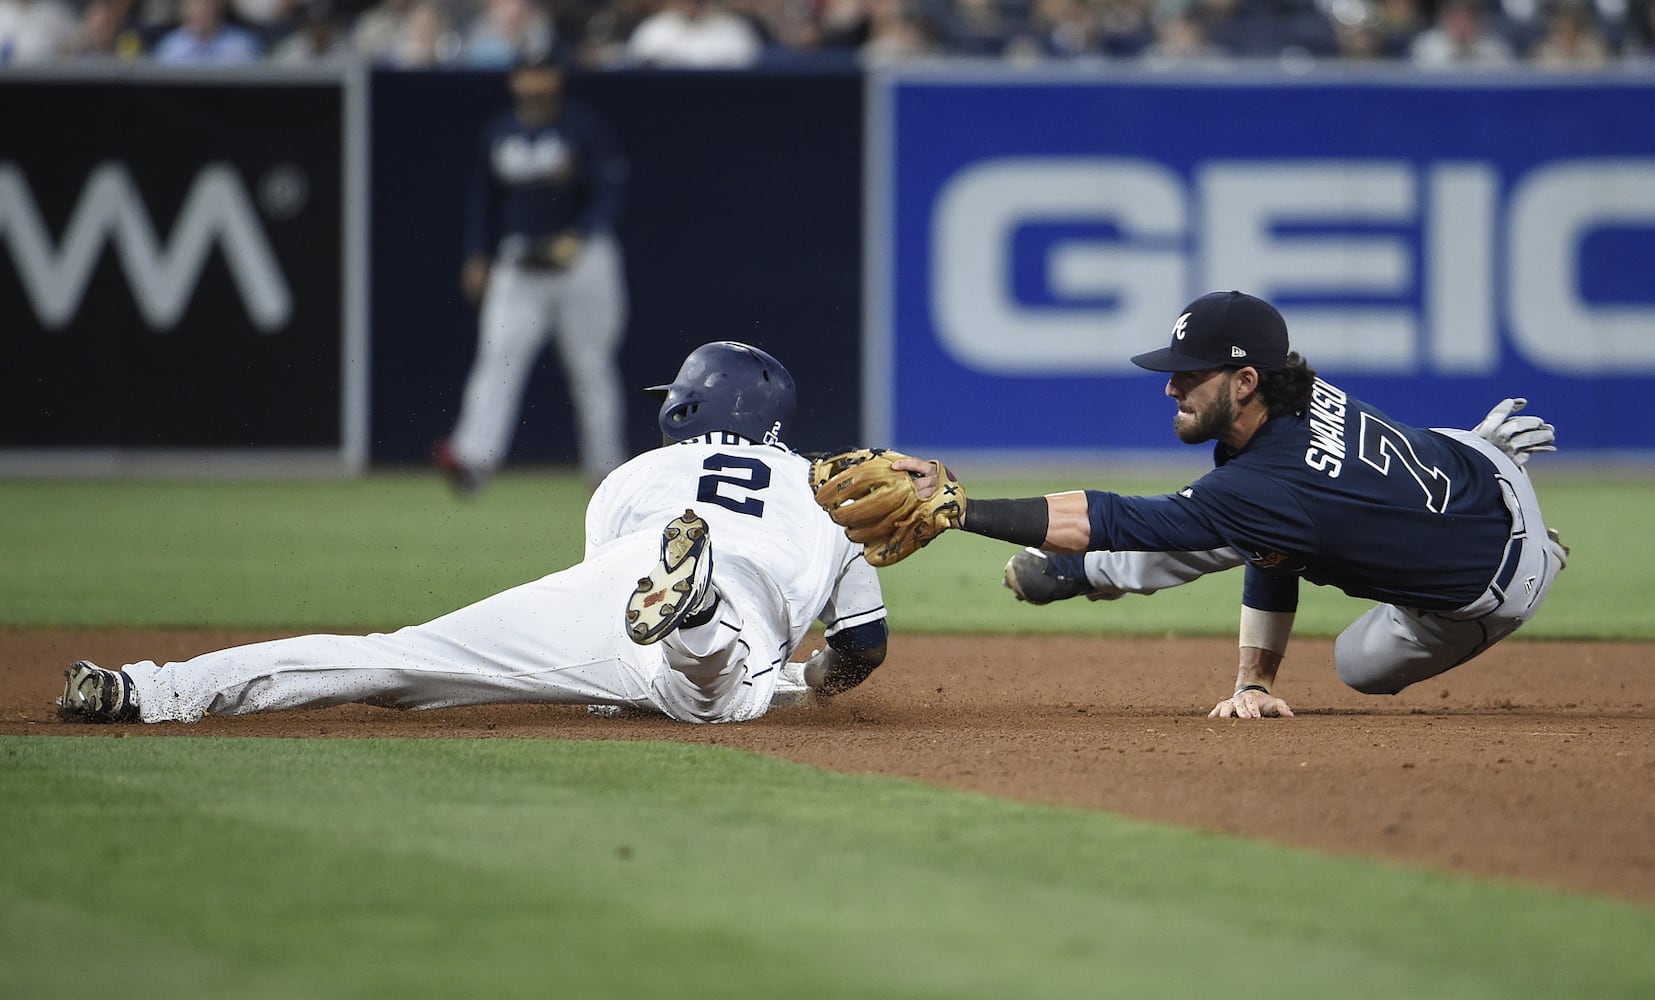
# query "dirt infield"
(1536, 762)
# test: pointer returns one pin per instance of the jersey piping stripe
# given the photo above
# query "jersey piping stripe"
(857, 618)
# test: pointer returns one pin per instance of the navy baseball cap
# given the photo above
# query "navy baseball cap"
(1222, 330)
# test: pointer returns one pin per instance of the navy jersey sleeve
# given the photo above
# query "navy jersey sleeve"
(606, 172)
(1268, 591)
(1147, 524)
(1220, 509)
(1249, 513)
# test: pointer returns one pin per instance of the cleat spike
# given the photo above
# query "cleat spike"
(680, 585)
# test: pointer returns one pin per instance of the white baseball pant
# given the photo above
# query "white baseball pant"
(559, 639)
(584, 308)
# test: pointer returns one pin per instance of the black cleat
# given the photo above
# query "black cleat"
(93, 694)
(1043, 577)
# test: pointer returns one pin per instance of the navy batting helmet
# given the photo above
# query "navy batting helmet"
(726, 386)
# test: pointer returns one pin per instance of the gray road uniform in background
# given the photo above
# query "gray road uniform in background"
(540, 214)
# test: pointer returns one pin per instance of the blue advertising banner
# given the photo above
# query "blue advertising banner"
(1435, 242)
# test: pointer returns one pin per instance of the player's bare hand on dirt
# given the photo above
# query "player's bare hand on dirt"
(1251, 705)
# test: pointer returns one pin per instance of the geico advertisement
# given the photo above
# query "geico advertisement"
(170, 260)
(1434, 244)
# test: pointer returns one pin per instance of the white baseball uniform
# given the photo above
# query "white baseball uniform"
(779, 563)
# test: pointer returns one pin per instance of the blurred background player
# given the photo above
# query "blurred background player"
(543, 260)
(737, 562)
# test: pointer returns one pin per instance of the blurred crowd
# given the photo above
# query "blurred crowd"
(1551, 34)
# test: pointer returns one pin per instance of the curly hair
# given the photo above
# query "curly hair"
(1287, 389)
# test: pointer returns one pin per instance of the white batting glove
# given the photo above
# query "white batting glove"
(1518, 437)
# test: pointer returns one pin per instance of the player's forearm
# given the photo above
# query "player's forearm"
(1057, 522)
(1069, 527)
(831, 671)
(1263, 638)
(850, 656)
(1257, 667)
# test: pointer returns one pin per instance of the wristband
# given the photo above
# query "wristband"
(1023, 522)
(1243, 689)
(1266, 629)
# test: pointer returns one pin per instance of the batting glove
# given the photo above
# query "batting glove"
(1518, 437)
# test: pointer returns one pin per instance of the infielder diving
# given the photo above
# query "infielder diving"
(737, 561)
(1441, 527)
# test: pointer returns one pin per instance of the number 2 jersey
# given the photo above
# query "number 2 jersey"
(1341, 495)
(776, 555)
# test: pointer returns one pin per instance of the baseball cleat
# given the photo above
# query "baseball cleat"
(465, 480)
(792, 690)
(679, 590)
(1043, 577)
(93, 694)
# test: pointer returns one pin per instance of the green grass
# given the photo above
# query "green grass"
(345, 868)
(396, 868)
(381, 551)
(393, 549)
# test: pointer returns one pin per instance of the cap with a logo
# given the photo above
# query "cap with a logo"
(1222, 330)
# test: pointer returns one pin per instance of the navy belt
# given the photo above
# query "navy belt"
(1508, 566)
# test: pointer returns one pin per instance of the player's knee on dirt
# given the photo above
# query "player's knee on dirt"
(1370, 684)
(1366, 670)
(1389, 648)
